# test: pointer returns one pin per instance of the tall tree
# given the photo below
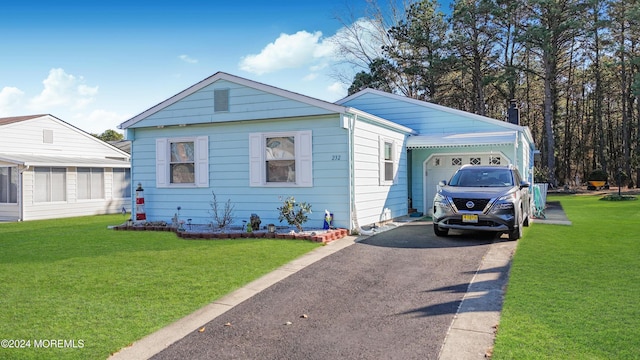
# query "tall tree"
(418, 50)
(475, 42)
(550, 31)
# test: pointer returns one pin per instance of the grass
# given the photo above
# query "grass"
(574, 290)
(73, 279)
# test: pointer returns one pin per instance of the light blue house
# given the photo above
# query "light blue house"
(364, 158)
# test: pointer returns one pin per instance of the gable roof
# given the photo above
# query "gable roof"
(19, 119)
(428, 105)
(15, 119)
(331, 107)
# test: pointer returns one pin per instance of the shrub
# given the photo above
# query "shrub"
(222, 217)
(294, 213)
(597, 175)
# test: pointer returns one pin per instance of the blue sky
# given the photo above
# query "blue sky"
(96, 64)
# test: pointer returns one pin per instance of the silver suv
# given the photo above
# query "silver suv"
(483, 198)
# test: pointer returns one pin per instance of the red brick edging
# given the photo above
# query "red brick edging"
(325, 237)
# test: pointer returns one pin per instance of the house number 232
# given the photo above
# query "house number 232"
(335, 157)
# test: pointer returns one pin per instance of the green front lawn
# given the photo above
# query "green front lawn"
(574, 290)
(75, 280)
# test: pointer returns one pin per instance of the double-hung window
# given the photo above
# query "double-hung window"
(388, 161)
(8, 185)
(281, 159)
(50, 184)
(182, 162)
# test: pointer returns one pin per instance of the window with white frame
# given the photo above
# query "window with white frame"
(8, 185)
(494, 160)
(388, 161)
(456, 161)
(182, 162)
(50, 184)
(475, 161)
(121, 183)
(281, 159)
(90, 183)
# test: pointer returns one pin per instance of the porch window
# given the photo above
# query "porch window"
(182, 162)
(50, 184)
(90, 183)
(281, 159)
(121, 183)
(8, 185)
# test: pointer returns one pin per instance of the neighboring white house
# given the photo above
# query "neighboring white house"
(362, 158)
(51, 169)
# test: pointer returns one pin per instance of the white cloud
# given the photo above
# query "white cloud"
(188, 59)
(62, 89)
(99, 120)
(287, 52)
(10, 98)
(338, 90)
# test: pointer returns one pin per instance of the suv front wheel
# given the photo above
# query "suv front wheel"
(438, 231)
(516, 232)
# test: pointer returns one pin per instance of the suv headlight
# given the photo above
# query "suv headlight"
(441, 200)
(505, 202)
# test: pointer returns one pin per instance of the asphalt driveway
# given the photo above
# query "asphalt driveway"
(393, 295)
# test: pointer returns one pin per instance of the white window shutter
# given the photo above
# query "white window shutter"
(381, 163)
(256, 161)
(202, 161)
(305, 159)
(396, 160)
(162, 164)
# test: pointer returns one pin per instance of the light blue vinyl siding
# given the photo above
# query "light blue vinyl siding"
(229, 172)
(245, 103)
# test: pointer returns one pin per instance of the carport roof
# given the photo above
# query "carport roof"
(41, 160)
(462, 140)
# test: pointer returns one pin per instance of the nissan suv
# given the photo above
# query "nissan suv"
(482, 198)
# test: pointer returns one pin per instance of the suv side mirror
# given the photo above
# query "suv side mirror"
(442, 183)
(524, 184)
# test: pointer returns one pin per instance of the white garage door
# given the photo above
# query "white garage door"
(442, 167)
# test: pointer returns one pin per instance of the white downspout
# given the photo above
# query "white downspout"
(352, 180)
(21, 190)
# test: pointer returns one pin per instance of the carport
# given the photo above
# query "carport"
(433, 158)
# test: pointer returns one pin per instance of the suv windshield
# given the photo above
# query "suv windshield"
(473, 177)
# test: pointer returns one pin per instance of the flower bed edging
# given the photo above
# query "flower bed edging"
(325, 237)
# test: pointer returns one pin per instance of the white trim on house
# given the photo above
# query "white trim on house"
(61, 161)
(462, 140)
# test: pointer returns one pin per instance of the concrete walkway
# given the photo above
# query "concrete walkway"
(470, 335)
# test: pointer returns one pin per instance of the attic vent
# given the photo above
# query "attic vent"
(47, 136)
(221, 100)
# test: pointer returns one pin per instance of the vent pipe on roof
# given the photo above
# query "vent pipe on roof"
(513, 113)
